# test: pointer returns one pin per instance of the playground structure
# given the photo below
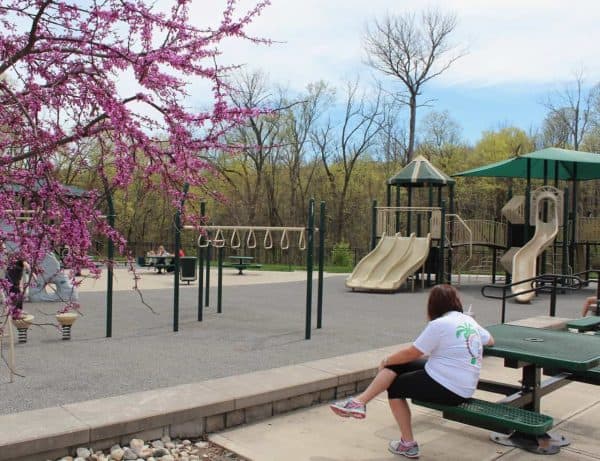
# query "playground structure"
(524, 261)
(215, 237)
(562, 246)
(392, 261)
(51, 274)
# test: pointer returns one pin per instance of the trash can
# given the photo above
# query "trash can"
(187, 269)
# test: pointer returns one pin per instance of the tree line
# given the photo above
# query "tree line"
(340, 145)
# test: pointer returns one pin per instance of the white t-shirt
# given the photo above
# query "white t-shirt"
(454, 343)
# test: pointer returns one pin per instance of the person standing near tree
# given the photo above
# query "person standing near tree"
(14, 274)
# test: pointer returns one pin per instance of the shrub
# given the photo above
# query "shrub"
(342, 255)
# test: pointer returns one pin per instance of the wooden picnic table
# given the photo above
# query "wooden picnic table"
(533, 349)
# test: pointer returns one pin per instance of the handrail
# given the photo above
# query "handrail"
(554, 278)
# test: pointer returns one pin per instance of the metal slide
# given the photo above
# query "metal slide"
(387, 267)
(525, 260)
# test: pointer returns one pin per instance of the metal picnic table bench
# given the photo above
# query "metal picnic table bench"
(519, 412)
(243, 262)
(589, 323)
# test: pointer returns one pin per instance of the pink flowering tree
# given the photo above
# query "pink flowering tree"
(63, 69)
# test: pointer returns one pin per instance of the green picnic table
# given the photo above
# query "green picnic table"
(241, 263)
(533, 349)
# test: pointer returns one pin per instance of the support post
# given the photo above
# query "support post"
(309, 266)
(373, 225)
(397, 214)
(177, 245)
(440, 276)
(201, 266)
(409, 214)
(573, 243)
(207, 287)
(565, 247)
(321, 264)
(111, 261)
(220, 280)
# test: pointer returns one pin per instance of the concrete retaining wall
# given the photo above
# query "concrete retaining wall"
(184, 411)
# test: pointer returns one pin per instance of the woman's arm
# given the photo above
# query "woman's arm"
(404, 355)
(490, 342)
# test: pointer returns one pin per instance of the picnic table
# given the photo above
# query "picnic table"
(241, 263)
(161, 262)
(533, 349)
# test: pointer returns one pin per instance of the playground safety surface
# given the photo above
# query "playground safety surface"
(261, 327)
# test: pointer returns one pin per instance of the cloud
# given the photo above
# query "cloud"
(509, 41)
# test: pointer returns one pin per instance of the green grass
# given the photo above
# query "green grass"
(291, 268)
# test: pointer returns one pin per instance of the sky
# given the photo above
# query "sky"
(519, 52)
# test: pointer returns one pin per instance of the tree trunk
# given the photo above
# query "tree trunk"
(412, 127)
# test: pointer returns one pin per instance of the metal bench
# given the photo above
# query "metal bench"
(585, 323)
(494, 416)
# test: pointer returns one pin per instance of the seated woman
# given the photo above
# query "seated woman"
(454, 343)
(162, 262)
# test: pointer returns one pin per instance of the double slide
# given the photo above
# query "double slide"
(525, 260)
(390, 263)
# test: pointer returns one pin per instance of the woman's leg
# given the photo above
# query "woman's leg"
(380, 383)
(386, 377)
(401, 412)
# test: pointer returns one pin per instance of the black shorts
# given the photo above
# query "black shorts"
(413, 382)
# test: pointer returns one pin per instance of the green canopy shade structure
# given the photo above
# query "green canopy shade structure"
(420, 172)
(553, 163)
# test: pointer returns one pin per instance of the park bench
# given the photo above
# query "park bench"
(494, 416)
(589, 323)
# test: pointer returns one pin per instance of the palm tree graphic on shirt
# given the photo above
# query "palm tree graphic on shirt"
(472, 340)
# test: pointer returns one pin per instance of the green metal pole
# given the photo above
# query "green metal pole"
(451, 236)
(111, 257)
(201, 267)
(373, 225)
(176, 271)
(219, 280)
(321, 264)
(565, 248)
(409, 214)
(573, 252)
(309, 266)
(186, 187)
(397, 212)
(207, 288)
(440, 278)
(429, 230)
(527, 201)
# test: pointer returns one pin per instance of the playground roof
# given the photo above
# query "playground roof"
(569, 165)
(420, 172)
(73, 191)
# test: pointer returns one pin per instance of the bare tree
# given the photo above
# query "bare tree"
(412, 51)
(257, 140)
(440, 134)
(298, 121)
(572, 110)
(341, 146)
